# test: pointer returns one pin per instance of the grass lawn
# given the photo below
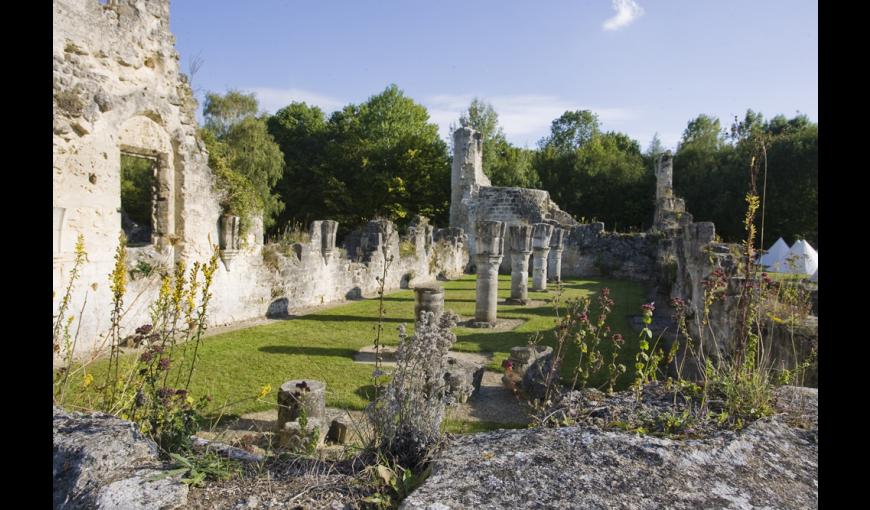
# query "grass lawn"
(233, 366)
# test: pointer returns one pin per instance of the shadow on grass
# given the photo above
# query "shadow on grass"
(492, 342)
(334, 352)
(350, 318)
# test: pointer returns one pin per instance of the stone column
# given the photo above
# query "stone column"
(521, 248)
(298, 394)
(428, 299)
(541, 248)
(554, 263)
(489, 250)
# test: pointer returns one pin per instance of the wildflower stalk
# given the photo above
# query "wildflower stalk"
(118, 285)
(208, 275)
(80, 255)
(379, 327)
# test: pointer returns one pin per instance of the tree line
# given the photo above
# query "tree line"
(384, 158)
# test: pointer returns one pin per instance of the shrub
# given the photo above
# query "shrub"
(139, 389)
(407, 415)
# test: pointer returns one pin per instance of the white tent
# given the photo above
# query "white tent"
(774, 256)
(815, 276)
(801, 259)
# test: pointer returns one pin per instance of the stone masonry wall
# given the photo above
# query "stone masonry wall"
(592, 252)
(117, 88)
(474, 199)
(306, 276)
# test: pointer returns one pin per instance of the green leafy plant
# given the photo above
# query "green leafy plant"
(393, 483)
(142, 269)
(648, 359)
(138, 387)
(196, 468)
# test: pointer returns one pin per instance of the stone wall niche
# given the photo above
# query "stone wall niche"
(328, 228)
(228, 235)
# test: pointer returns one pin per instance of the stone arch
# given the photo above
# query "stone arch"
(143, 135)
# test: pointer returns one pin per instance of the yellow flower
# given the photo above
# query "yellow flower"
(265, 390)
(189, 400)
(88, 380)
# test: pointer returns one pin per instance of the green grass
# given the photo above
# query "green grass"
(233, 366)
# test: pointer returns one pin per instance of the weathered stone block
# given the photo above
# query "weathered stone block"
(428, 299)
(522, 357)
(337, 432)
(298, 394)
(462, 378)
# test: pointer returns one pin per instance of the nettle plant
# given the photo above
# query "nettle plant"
(585, 329)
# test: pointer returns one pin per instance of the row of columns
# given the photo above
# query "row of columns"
(541, 240)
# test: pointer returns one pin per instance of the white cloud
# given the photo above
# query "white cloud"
(525, 118)
(272, 99)
(626, 12)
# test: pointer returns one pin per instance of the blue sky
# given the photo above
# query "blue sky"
(644, 66)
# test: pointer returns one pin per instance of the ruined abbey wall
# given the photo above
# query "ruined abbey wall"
(117, 88)
(474, 199)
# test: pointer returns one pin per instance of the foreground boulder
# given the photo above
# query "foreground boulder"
(772, 463)
(103, 462)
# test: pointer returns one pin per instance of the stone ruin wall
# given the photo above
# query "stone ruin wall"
(672, 259)
(473, 198)
(316, 273)
(117, 87)
(589, 250)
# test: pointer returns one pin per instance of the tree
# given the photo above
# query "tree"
(655, 148)
(504, 164)
(571, 131)
(301, 132)
(243, 155)
(597, 175)
(704, 162)
(379, 158)
(223, 112)
(482, 117)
